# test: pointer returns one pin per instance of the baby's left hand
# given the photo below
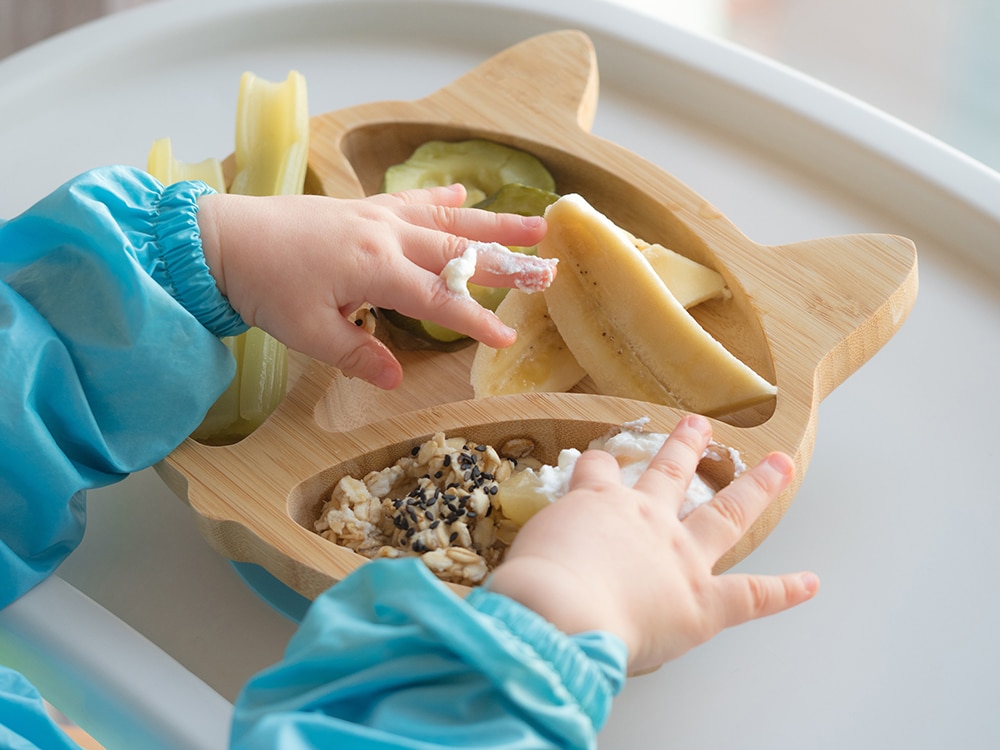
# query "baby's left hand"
(297, 266)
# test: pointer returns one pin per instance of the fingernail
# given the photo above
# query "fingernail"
(386, 379)
(699, 423)
(781, 463)
(532, 222)
(811, 582)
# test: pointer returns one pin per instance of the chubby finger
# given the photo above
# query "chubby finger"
(672, 468)
(498, 266)
(595, 469)
(749, 597)
(336, 341)
(448, 195)
(477, 224)
(719, 523)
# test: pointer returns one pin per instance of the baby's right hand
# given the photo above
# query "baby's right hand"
(298, 266)
(606, 557)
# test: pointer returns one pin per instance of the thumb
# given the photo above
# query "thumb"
(354, 351)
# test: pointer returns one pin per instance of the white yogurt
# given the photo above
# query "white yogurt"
(633, 450)
(531, 273)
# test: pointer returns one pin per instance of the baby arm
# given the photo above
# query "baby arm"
(675, 603)
(298, 266)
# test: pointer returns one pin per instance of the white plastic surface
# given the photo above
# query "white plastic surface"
(117, 684)
(897, 512)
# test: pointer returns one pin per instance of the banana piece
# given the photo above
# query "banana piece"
(540, 361)
(625, 327)
(690, 282)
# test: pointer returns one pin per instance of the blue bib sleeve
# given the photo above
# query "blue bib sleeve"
(391, 658)
(24, 722)
(109, 352)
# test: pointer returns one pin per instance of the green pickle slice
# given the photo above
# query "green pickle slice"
(482, 166)
(497, 178)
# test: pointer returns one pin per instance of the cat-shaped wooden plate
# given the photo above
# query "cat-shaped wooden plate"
(805, 316)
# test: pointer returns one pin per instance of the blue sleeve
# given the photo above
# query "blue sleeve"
(109, 352)
(391, 658)
(24, 722)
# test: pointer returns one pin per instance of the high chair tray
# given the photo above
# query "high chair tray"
(893, 512)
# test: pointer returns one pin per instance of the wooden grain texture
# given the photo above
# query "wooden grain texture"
(805, 316)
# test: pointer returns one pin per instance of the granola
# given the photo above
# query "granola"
(438, 503)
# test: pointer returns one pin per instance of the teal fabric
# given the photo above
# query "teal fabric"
(392, 658)
(24, 722)
(104, 373)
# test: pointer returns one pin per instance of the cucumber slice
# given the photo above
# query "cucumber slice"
(515, 198)
(482, 166)
(410, 333)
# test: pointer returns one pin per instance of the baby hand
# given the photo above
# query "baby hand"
(606, 557)
(297, 266)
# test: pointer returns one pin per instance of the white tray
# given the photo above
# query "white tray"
(899, 648)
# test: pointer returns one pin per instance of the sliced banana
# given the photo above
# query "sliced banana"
(540, 361)
(625, 327)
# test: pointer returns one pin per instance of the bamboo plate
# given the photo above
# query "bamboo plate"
(806, 316)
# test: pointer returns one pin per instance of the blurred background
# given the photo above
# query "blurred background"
(931, 63)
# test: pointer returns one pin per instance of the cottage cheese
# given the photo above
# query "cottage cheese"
(633, 450)
(531, 273)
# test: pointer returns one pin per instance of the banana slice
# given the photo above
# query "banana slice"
(625, 327)
(540, 361)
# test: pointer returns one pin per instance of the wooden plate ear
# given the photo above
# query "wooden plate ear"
(558, 68)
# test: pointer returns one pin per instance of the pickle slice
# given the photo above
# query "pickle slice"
(482, 166)
(517, 198)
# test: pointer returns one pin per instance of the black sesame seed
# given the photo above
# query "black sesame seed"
(438, 474)
(489, 511)
(453, 537)
(494, 489)
(428, 515)
(447, 460)
(481, 448)
(359, 322)
(410, 532)
(414, 450)
(435, 524)
(471, 513)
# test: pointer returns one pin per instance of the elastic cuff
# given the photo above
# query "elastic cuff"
(592, 666)
(183, 271)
